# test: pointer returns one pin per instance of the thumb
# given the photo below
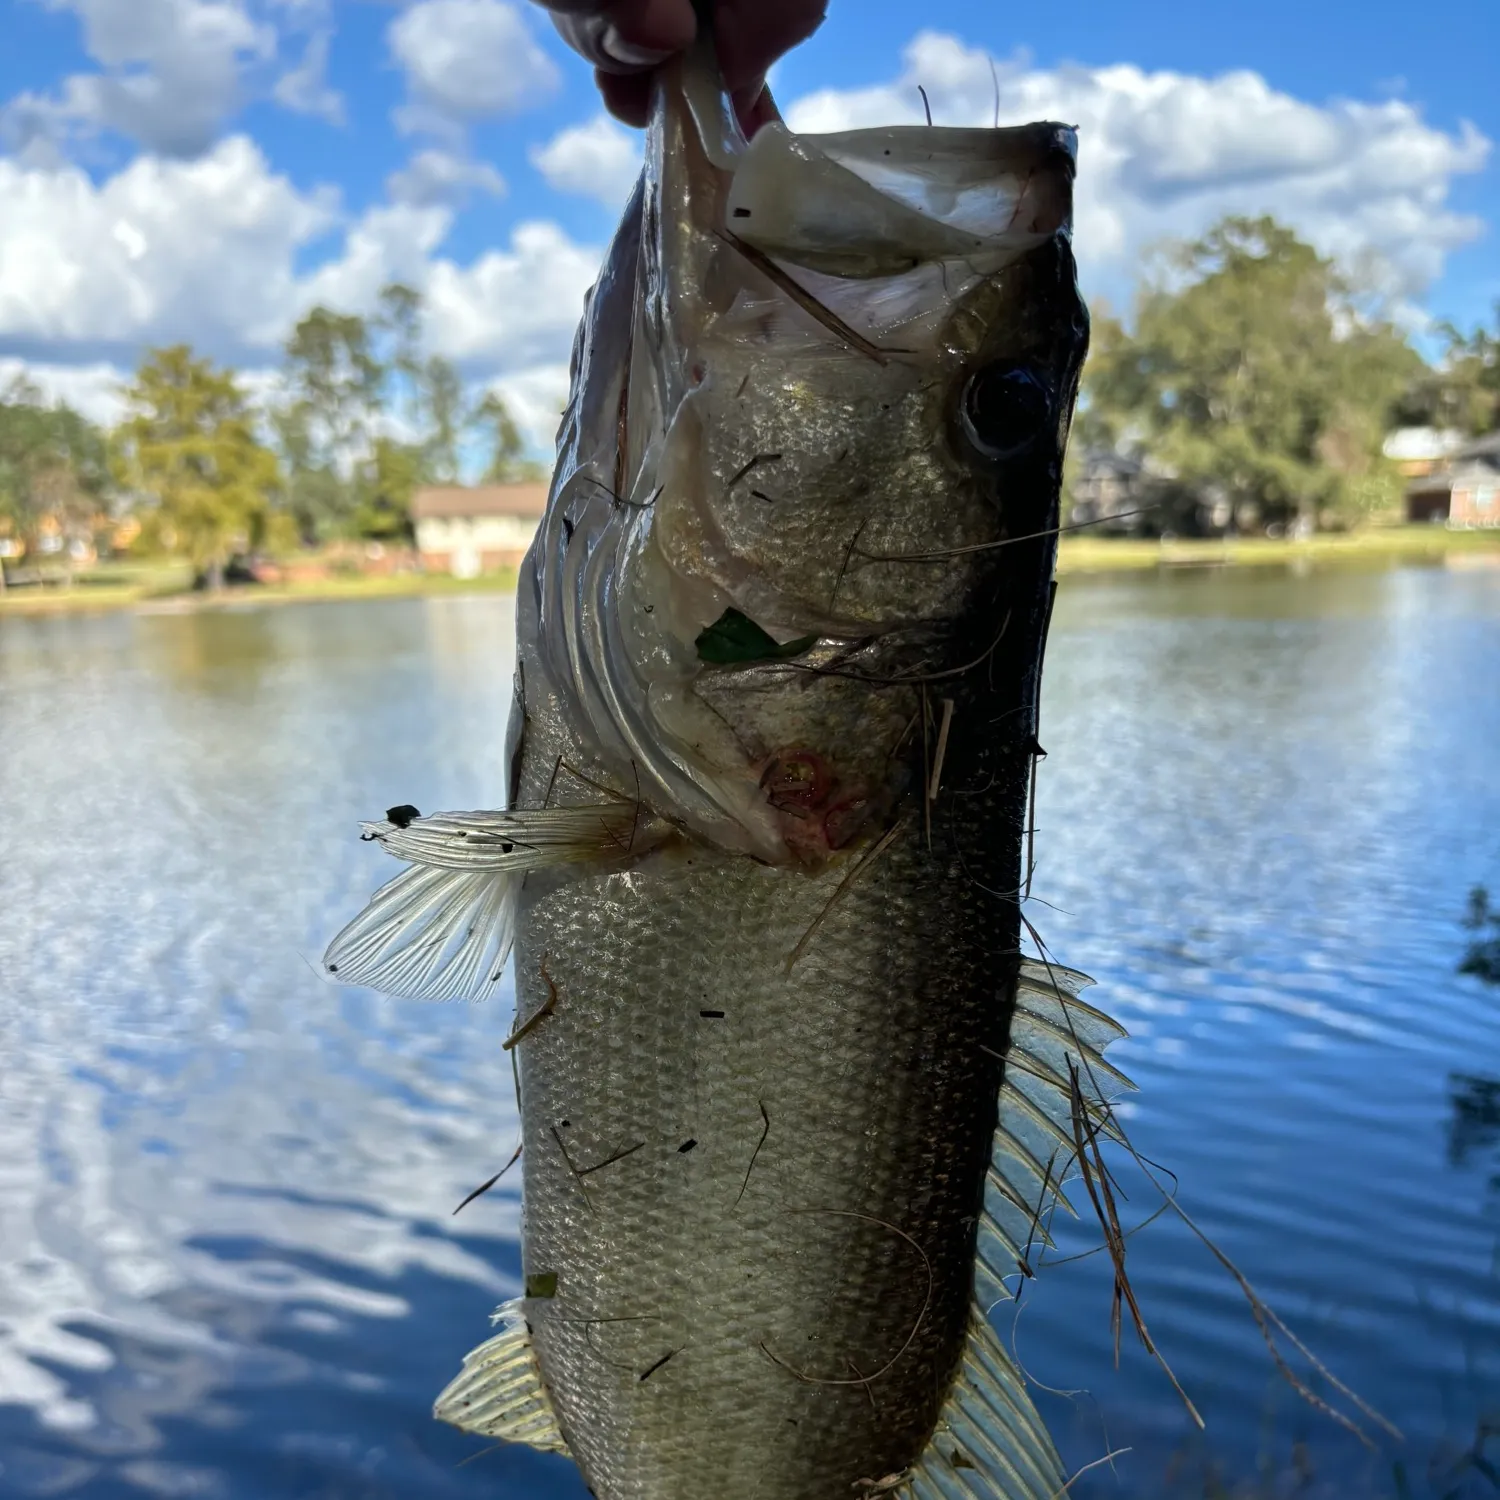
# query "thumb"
(634, 41)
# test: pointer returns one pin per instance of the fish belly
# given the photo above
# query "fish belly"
(751, 1188)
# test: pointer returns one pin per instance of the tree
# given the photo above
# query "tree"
(427, 392)
(447, 416)
(401, 317)
(371, 415)
(392, 475)
(497, 429)
(315, 491)
(1254, 372)
(189, 446)
(336, 386)
(1463, 390)
(54, 471)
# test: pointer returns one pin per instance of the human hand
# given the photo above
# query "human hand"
(626, 39)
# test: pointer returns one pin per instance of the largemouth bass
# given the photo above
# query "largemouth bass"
(794, 1104)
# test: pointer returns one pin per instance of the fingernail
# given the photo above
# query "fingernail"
(628, 54)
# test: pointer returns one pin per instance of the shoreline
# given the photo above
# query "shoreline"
(148, 592)
(1385, 546)
(147, 599)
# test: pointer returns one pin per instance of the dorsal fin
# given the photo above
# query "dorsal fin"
(1055, 1037)
(499, 1392)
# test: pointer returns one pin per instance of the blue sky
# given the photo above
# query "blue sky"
(206, 169)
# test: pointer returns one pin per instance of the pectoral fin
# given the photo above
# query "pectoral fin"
(442, 929)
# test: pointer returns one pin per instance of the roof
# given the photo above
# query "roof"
(1486, 447)
(1100, 461)
(1458, 476)
(1477, 475)
(1421, 443)
(446, 501)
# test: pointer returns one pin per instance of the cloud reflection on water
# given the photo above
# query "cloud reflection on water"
(228, 1261)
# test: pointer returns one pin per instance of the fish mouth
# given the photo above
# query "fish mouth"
(880, 202)
(874, 201)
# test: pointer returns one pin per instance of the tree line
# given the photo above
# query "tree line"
(361, 416)
(1251, 369)
(1258, 372)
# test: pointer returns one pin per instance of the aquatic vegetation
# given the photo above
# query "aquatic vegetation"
(1483, 956)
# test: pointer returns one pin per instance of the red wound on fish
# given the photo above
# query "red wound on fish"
(797, 781)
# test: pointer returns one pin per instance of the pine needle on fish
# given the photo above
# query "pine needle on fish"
(842, 888)
(911, 1338)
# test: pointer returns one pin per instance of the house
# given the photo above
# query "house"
(471, 529)
(1126, 493)
(1107, 490)
(1418, 451)
(1464, 491)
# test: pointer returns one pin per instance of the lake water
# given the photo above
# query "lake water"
(229, 1265)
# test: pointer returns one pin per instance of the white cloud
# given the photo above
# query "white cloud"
(208, 252)
(163, 250)
(305, 90)
(93, 389)
(464, 60)
(535, 398)
(514, 308)
(597, 159)
(392, 242)
(1164, 154)
(309, 14)
(171, 73)
(441, 178)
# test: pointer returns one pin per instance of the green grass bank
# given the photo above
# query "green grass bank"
(167, 586)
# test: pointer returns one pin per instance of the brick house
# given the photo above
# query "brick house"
(1465, 491)
(471, 529)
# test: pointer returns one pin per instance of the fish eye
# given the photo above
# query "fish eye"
(1005, 406)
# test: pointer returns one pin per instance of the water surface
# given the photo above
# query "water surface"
(229, 1265)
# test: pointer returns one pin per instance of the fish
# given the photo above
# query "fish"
(796, 1103)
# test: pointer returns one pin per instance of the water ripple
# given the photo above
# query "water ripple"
(229, 1265)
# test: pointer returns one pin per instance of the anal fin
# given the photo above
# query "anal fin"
(499, 1392)
(990, 1442)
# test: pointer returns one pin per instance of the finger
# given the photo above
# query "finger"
(599, 40)
(627, 35)
(627, 96)
(653, 25)
(753, 34)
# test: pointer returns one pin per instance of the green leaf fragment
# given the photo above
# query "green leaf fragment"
(734, 639)
(542, 1284)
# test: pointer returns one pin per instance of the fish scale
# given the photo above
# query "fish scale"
(860, 1095)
